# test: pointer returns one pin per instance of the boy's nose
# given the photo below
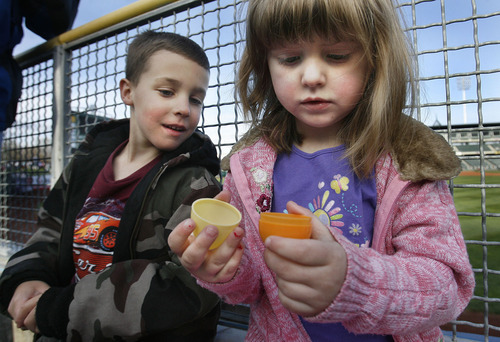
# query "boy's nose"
(182, 107)
(313, 75)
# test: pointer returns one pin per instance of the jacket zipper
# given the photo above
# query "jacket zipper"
(150, 188)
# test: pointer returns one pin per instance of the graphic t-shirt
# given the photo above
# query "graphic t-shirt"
(97, 223)
(324, 182)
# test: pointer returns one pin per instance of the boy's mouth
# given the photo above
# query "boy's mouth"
(175, 128)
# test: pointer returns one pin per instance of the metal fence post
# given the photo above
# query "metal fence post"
(60, 108)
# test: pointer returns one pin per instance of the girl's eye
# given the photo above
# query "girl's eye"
(289, 60)
(337, 57)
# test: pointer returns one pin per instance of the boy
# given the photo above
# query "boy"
(99, 266)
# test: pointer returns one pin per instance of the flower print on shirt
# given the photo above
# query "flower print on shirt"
(325, 183)
(323, 208)
(355, 229)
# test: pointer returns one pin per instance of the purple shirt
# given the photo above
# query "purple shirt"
(324, 182)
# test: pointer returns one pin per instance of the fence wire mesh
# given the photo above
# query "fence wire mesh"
(457, 45)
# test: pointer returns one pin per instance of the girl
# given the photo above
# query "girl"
(325, 83)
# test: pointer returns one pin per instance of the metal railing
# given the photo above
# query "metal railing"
(71, 83)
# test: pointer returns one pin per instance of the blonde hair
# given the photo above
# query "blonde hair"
(378, 120)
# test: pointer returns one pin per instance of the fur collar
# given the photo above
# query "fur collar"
(421, 155)
(425, 155)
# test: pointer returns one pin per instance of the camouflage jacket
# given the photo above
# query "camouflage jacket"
(146, 294)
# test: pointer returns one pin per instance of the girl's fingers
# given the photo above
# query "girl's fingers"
(179, 238)
(301, 299)
(224, 195)
(222, 263)
(195, 252)
(305, 252)
(225, 251)
(211, 265)
(319, 230)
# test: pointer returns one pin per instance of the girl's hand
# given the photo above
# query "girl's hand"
(309, 273)
(216, 266)
(23, 303)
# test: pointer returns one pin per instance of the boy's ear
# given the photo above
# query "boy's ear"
(126, 91)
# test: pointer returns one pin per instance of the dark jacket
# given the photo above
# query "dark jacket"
(146, 294)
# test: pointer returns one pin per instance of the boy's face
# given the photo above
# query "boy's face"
(166, 102)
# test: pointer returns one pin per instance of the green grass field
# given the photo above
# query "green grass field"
(470, 200)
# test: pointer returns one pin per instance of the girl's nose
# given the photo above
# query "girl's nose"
(313, 74)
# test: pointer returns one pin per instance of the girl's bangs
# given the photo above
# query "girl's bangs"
(279, 21)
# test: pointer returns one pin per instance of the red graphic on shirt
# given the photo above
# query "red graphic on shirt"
(93, 242)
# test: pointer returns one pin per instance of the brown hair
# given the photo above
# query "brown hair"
(149, 42)
(378, 120)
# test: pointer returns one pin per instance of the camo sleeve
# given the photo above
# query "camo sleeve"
(38, 259)
(131, 299)
(144, 296)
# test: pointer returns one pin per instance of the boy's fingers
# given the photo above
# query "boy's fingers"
(29, 309)
(24, 310)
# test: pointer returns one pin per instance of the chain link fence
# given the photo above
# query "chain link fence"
(71, 87)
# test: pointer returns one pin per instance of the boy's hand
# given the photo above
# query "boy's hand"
(309, 273)
(23, 303)
(216, 266)
(30, 320)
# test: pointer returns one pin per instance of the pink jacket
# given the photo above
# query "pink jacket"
(416, 276)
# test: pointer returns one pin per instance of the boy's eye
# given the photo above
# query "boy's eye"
(196, 101)
(165, 92)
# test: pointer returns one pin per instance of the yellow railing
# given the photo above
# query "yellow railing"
(125, 13)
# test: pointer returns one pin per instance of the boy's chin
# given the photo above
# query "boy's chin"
(173, 142)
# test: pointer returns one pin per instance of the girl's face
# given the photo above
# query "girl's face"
(319, 82)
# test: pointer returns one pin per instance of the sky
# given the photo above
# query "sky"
(87, 11)
(460, 60)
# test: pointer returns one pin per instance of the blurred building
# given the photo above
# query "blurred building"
(470, 142)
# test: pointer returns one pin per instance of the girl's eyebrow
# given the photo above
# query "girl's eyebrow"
(342, 43)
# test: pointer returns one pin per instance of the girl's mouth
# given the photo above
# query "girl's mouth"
(315, 104)
(314, 101)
